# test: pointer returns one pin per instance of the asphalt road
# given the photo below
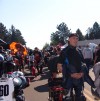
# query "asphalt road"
(38, 89)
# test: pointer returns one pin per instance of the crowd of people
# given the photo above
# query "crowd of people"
(16, 61)
(72, 61)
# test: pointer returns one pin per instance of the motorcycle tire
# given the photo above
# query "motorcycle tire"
(20, 98)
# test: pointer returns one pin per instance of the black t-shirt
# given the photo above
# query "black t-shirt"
(73, 55)
(98, 56)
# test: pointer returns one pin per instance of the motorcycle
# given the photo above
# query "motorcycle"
(11, 83)
(19, 84)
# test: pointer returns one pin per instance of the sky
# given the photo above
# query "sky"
(37, 19)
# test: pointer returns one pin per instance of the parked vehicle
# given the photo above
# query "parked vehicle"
(11, 83)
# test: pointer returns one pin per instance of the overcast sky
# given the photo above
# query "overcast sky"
(37, 19)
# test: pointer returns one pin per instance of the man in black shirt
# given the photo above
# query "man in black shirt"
(37, 59)
(69, 63)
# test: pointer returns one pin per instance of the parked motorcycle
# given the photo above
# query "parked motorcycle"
(11, 83)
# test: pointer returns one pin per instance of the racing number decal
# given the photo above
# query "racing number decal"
(1, 90)
(4, 90)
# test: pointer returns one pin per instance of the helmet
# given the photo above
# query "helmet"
(1, 58)
(17, 73)
(17, 82)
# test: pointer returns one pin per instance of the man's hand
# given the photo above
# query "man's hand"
(77, 75)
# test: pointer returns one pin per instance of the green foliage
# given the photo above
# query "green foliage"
(55, 38)
(94, 32)
(60, 35)
(3, 31)
(13, 35)
(63, 31)
(86, 37)
(46, 46)
(16, 36)
(79, 33)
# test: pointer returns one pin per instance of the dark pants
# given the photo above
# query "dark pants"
(78, 89)
(71, 83)
(88, 63)
(76, 84)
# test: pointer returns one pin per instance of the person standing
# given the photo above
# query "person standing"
(69, 63)
(37, 59)
(88, 56)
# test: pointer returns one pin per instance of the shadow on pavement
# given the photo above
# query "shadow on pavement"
(42, 88)
(45, 74)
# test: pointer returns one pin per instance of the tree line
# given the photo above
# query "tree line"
(11, 35)
(59, 36)
(62, 33)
